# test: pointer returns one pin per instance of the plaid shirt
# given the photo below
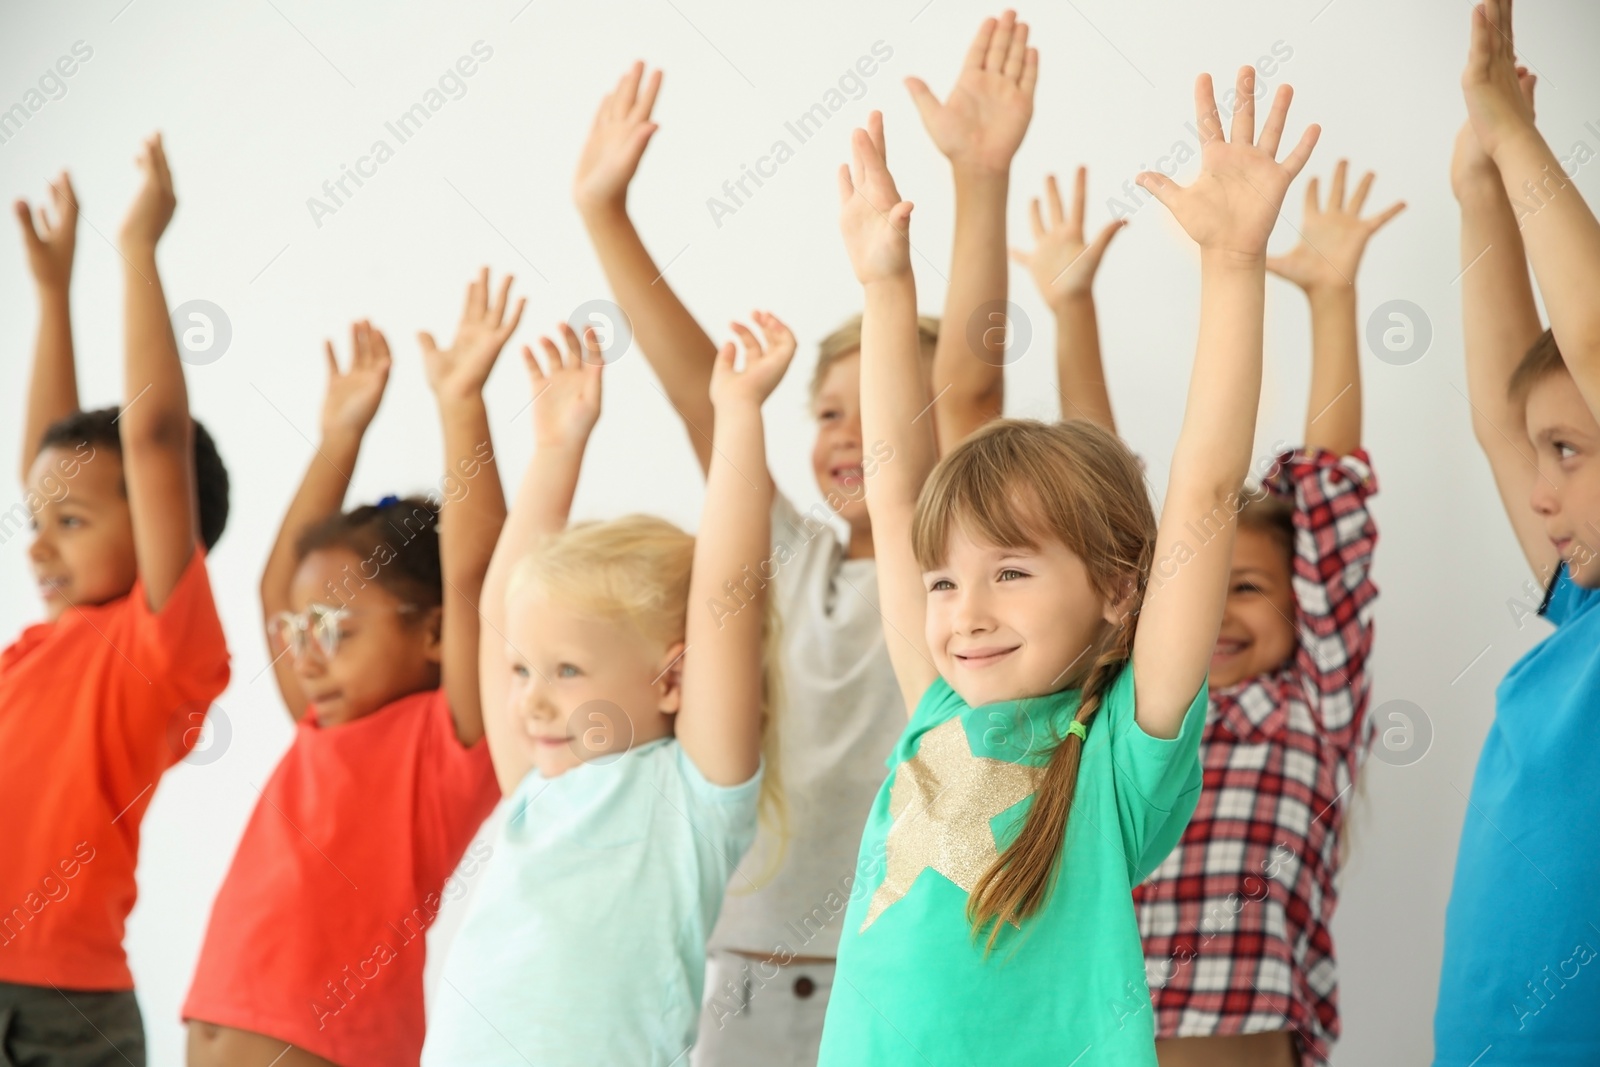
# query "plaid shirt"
(1235, 920)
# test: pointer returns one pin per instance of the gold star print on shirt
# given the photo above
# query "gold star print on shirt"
(941, 803)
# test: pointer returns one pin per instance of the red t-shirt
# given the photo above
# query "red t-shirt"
(93, 708)
(316, 937)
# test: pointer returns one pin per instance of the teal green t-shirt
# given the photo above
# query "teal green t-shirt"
(912, 986)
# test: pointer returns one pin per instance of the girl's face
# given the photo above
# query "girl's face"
(1257, 633)
(582, 688)
(836, 457)
(1566, 492)
(82, 550)
(386, 649)
(1008, 623)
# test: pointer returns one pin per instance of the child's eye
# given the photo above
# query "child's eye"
(941, 585)
(1011, 574)
(567, 670)
(520, 670)
(827, 415)
(1247, 587)
(1564, 450)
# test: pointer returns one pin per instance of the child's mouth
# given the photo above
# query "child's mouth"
(983, 657)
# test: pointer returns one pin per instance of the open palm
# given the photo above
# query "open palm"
(461, 369)
(566, 396)
(1063, 265)
(1233, 205)
(764, 363)
(982, 122)
(353, 395)
(1332, 238)
(617, 140)
(872, 217)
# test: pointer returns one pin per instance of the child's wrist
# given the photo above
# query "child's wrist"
(1333, 293)
(1232, 260)
(1075, 302)
(607, 211)
(1516, 140)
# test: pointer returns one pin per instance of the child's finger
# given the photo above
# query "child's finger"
(509, 327)
(875, 132)
(1359, 197)
(1336, 190)
(574, 353)
(1102, 240)
(552, 354)
(1296, 160)
(529, 361)
(1272, 130)
(1244, 111)
(1030, 72)
(627, 90)
(1080, 197)
(994, 57)
(1017, 52)
(380, 348)
(1021, 258)
(358, 343)
(752, 347)
(593, 351)
(331, 359)
(25, 218)
(647, 100)
(1378, 221)
(1207, 121)
(1313, 201)
(1037, 219)
(979, 48)
(922, 96)
(498, 310)
(725, 357)
(1159, 186)
(847, 188)
(425, 341)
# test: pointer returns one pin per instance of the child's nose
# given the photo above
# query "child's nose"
(1543, 497)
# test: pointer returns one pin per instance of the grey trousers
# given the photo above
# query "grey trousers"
(759, 1013)
(41, 1026)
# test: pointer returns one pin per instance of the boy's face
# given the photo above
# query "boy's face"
(583, 688)
(1257, 633)
(1008, 623)
(1566, 493)
(82, 550)
(836, 456)
(385, 650)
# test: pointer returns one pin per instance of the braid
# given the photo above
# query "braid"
(1018, 882)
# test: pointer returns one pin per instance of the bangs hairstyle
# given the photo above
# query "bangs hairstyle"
(846, 341)
(400, 537)
(1273, 515)
(635, 571)
(1019, 483)
(1542, 359)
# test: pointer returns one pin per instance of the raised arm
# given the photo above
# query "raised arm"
(875, 224)
(350, 402)
(978, 128)
(155, 428)
(1063, 267)
(566, 405)
(719, 724)
(679, 351)
(1324, 265)
(53, 382)
(1500, 322)
(1229, 211)
(474, 507)
(1559, 230)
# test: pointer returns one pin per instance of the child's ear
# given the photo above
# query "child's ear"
(432, 624)
(669, 683)
(1122, 601)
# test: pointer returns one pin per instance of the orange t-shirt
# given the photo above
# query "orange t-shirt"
(93, 708)
(317, 935)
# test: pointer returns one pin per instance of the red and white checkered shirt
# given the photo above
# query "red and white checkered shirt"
(1235, 920)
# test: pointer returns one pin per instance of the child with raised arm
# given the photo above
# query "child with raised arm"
(1056, 690)
(1519, 924)
(100, 699)
(627, 700)
(315, 949)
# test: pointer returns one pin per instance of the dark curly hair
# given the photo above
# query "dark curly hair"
(98, 429)
(400, 535)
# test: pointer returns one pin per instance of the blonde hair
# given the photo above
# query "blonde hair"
(635, 570)
(846, 341)
(1017, 482)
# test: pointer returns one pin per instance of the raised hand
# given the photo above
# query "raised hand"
(1469, 163)
(51, 245)
(353, 395)
(617, 139)
(873, 219)
(1232, 206)
(764, 364)
(1496, 104)
(460, 370)
(983, 120)
(566, 399)
(155, 202)
(1062, 265)
(1332, 239)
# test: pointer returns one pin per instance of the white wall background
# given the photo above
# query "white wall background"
(262, 102)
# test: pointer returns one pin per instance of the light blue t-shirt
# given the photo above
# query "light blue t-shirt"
(586, 942)
(1521, 975)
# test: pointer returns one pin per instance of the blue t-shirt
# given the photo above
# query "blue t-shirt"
(1521, 975)
(586, 942)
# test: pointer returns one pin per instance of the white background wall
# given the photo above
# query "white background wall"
(262, 102)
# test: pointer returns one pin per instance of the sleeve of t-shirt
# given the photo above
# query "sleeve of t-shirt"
(1157, 779)
(1567, 598)
(723, 814)
(177, 657)
(456, 783)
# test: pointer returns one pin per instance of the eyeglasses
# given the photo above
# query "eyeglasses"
(320, 622)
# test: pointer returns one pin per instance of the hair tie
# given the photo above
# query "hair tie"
(1078, 730)
(386, 501)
